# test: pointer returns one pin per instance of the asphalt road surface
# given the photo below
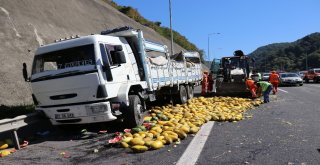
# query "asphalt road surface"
(284, 131)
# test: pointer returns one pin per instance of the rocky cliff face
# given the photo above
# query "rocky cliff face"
(27, 24)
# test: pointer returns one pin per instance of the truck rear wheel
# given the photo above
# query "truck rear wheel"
(134, 115)
(182, 95)
(190, 91)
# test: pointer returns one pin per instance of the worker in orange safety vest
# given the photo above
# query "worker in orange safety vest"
(205, 83)
(210, 82)
(252, 87)
(274, 80)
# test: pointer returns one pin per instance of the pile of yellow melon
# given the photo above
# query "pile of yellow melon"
(4, 151)
(169, 124)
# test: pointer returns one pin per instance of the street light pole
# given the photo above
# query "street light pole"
(208, 56)
(171, 28)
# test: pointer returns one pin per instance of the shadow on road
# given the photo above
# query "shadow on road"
(43, 131)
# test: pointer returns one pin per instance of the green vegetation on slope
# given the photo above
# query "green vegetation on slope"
(164, 31)
(289, 56)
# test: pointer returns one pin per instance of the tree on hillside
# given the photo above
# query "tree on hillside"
(289, 56)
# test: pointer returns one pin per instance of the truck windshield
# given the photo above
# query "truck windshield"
(66, 58)
(236, 62)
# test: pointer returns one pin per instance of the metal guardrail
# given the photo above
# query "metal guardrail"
(15, 123)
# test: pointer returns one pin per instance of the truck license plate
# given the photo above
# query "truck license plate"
(64, 116)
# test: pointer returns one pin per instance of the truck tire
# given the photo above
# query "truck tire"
(190, 91)
(134, 115)
(182, 95)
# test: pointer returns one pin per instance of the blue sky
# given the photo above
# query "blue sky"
(242, 24)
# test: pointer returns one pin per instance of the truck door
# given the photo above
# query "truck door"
(114, 57)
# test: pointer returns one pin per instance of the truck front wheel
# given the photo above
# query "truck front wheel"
(190, 91)
(182, 95)
(134, 114)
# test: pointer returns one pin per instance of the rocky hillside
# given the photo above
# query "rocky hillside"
(26, 24)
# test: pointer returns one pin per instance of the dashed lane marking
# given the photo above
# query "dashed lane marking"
(192, 153)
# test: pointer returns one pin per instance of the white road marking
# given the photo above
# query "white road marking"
(283, 90)
(192, 153)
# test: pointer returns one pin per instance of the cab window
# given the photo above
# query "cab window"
(111, 52)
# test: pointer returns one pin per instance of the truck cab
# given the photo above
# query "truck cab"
(76, 80)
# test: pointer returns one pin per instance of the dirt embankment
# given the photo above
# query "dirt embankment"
(26, 24)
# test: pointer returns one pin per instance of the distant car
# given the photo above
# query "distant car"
(302, 73)
(265, 76)
(290, 79)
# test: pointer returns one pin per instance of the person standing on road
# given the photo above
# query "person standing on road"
(265, 89)
(274, 80)
(252, 87)
(210, 82)
(259, 74)
(204, 84)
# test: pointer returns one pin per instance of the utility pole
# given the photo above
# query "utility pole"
(171, 27)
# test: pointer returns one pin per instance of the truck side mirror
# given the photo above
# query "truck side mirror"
(120, 57)
(118, 48)
(25, 72)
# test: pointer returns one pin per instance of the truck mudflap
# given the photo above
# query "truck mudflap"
(231, 88)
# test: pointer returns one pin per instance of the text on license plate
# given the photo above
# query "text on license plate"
(64, 116)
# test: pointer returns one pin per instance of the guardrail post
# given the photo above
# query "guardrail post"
(14, 124)
(15, 139)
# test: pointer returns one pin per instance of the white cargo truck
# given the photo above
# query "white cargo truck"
(103, 77)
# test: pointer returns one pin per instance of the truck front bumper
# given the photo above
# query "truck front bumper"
(79, 114)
